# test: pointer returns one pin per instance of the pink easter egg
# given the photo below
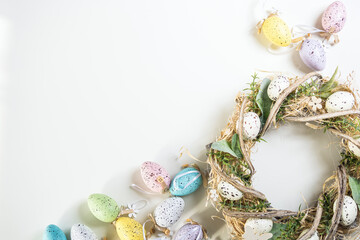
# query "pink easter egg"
(334, 17)
(150, 173)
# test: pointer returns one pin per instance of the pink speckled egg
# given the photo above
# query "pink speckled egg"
(334, 17)
(151, 172)
(313, 54)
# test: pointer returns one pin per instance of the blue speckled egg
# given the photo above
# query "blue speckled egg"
(185, 182)
(312, 53)
(82, 232)
(53, 232)
(189, 232)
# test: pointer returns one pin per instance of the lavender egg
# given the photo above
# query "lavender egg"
(334, 17)
(151, 172)
(189, 232)
(312, 53)
(169, 211)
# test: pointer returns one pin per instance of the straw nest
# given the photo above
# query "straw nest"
(291, 105)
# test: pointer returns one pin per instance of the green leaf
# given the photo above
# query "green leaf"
(355, 189)
(325, 90)
(263, 100)
(277, 229)
(223, 146)
(235, 145)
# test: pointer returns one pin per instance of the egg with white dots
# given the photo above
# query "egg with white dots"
(315, 236)
(169, 211)
(259, 225)
(189, 232)
(228, 191)
(251, 125)
(53, 232)
(339, 101)
(353, 148)
(277, 86)
(82, 232)
(129, 229)
(349, 211)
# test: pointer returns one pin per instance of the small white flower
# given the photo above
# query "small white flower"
(315, 103)
(133, 208)
(250, 234)
(213, 195)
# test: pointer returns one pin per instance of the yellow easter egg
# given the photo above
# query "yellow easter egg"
(276, 31)
(129, 229)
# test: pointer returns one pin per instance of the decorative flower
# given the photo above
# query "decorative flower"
(133, 208)
(250, 234)
(315, 103)
(213, 195)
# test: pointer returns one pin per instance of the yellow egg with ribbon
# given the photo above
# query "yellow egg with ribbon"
(129, 229)
(276, 31)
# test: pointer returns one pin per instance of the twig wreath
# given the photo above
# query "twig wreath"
(320, 103)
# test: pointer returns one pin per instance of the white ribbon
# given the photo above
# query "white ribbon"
(140, 189)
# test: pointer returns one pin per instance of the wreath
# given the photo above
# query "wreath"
(322, 103)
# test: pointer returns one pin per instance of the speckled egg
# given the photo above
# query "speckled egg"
(53, 232)
(228, 191)
(276, 31)
(129, 229)
(150, 172)
(251, 125)
(169, 211)
(103, 207)
(277, 86)
(315, 236)
(185, 182)
(339, 101)
(189, 232)
(334, 17)
(313, 54)
(82, 232)
(354, 149)
(259, 225)
(349, 211)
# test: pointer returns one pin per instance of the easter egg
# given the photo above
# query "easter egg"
(251, 125)
(185, 182)
(354, 149)
(103, 207)
(82, 232)
(349, 211)
(129, 229)
(312, 53)
(339, 101)
(276, 31)
(53, 232)
(277, 86)
(313, 237)
(334, 17)
(259, 225)
(228, 191)
(189, 232)
(169, 211)
(151, 172)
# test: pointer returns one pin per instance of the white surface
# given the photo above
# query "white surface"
(91, 89)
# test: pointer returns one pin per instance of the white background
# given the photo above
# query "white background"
(91, 89)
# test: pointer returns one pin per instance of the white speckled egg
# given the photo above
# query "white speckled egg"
(334, 17)
(82, 232)
(315, 236)
(349, 211)
(259, 225)
(339, 101)
(354, 149)
(169, 211)
(277, 86)
(251, 125)
(228, 191)
(312, 53)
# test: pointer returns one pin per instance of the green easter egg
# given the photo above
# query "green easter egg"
(103, 207)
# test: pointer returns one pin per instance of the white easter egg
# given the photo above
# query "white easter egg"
(169, 211)
(349, 211)
(251, 125)
(259, 225)
(315, 236)
(277, 86)
(339, 101)
(82, 232)
(354, 149)
(228, 191)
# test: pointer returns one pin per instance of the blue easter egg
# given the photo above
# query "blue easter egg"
(185, 182)
(53, 232)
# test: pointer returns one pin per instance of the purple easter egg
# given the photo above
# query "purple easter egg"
(312, 53)
(334, 17)
(151, 172)
(189, 232)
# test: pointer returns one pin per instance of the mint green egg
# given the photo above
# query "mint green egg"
(103, 207)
